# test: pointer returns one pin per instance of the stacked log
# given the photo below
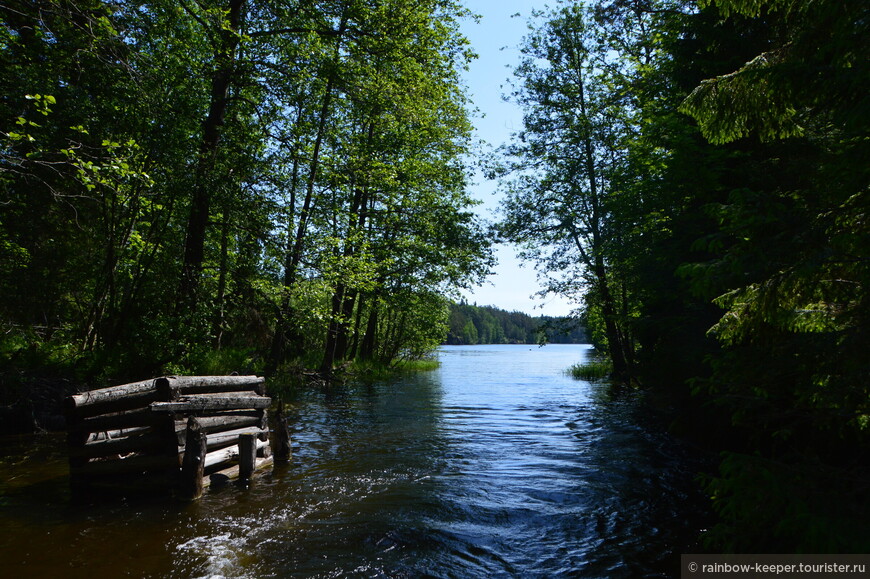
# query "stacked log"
(170, 432)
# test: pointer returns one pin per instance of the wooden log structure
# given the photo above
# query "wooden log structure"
(170, 431)
(193, 466)
(281, 436)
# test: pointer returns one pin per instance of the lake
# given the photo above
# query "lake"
(497, 464)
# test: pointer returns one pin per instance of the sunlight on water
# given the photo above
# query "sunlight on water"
(222, 554)
(495, 465)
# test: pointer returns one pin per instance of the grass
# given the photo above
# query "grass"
(373, 371)
(296, 376)
(594, 369)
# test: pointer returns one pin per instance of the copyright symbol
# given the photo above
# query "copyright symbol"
(693, 567)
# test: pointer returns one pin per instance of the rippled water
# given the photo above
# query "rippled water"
(495, 465)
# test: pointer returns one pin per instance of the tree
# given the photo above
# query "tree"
(791, 241)
(565, 162)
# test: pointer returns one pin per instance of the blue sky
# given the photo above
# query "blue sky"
(495, 38)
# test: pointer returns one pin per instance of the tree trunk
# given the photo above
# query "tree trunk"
(329, 349)
(342, 338)
(220, 306)
(367, 349)
(197, 223)
(295, 249)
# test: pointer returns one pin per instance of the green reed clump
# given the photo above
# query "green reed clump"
(593, 369)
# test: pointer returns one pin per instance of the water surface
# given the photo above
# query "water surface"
(495, 465)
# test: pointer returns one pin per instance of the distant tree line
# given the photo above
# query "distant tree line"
(473, 324)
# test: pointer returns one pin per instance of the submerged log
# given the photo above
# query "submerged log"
(155, 483)
(226, 475)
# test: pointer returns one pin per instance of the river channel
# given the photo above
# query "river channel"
(497, 464)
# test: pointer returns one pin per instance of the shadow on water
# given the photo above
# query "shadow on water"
(495, 465)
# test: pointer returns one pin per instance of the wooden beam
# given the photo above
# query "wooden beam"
(247, 455)
(114, 422)
(227, 454)
(281, 436)
(114, 399)
(230, 437)
(200, 384)
(227, 421)
(223, 476)
(205, 402)
(193, 466)
(141, 442)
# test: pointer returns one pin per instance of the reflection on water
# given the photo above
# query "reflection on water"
(495, 465)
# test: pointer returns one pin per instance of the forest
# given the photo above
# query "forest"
(695, 175)
(470, 324)
(213, 185)
(208, 186)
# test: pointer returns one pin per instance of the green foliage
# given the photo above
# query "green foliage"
(730, 224)
(596, 369)
(472, 324)
(799, 506)
(201, 187)
(372, 371)
(759, 109)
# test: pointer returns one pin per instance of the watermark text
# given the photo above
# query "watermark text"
(712, 566)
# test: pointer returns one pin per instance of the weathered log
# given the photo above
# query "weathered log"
(112, 393)
(140, 394)
(114, 399)
(200, 384)
(167, 389)
(226, 438)
(115, 434)
(114, 422)
(140, 442)
(204, 402)
(194, 460)
(224, 476)
(164, 427)
(281, 436)
(247, 455)
(227, 421)
(227, 454)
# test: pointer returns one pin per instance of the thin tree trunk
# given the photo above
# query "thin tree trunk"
(296, 248)
(218, 324)
(615, 345)
(367, 349)
(332, 331)
(197, 223)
